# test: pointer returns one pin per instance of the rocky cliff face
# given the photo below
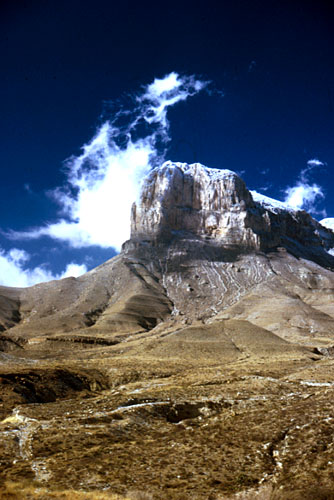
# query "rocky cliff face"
(181, 200)
(191, 199)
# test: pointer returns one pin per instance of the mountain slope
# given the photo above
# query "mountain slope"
(201, 248)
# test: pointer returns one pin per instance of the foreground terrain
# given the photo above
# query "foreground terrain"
(171, 427)
(197, 364)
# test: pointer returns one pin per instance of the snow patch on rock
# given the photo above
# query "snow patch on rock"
(328, 223)
(270, 204)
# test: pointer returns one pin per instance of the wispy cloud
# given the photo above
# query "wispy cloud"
(265, 188)
(315, 163)
(104, 181)
(305, 194)
(13, 270)
(252, 66)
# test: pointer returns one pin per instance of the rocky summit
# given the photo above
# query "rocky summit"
(192, 201)
(198, 363)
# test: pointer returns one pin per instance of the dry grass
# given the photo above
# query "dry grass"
(19, 491)
(315, 492)
(139, 495)
(263, 493)
(222, 428)
(268, 492)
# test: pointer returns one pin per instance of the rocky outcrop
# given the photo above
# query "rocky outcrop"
(180, 200)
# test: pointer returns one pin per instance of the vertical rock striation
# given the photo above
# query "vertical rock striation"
(191, 201)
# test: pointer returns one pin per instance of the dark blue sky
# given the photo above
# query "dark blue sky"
(62, 60)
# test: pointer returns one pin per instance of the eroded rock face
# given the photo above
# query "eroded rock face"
(183, 200)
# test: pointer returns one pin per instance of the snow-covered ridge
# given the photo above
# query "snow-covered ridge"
(190, 168)
(270, 204)
(215, 174)
(328, 223)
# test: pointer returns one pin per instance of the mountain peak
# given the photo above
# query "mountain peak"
(179, 200)
(182, 199)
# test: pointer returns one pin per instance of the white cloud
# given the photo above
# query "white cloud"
(305, 195)
(105, 179)
(165, 92)
(160, 86)
(329, 223)
(72, 270)
(14, 273)
(315, 163)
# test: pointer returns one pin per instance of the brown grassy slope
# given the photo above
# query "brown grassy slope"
(115, 297)
(216, 342)
(179, 429)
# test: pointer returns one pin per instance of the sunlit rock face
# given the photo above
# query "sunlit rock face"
(181, 200)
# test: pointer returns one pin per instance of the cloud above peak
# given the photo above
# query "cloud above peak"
(104, 181)
(162, 86)
(315, 163)
(165, 92)
(304, 195)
